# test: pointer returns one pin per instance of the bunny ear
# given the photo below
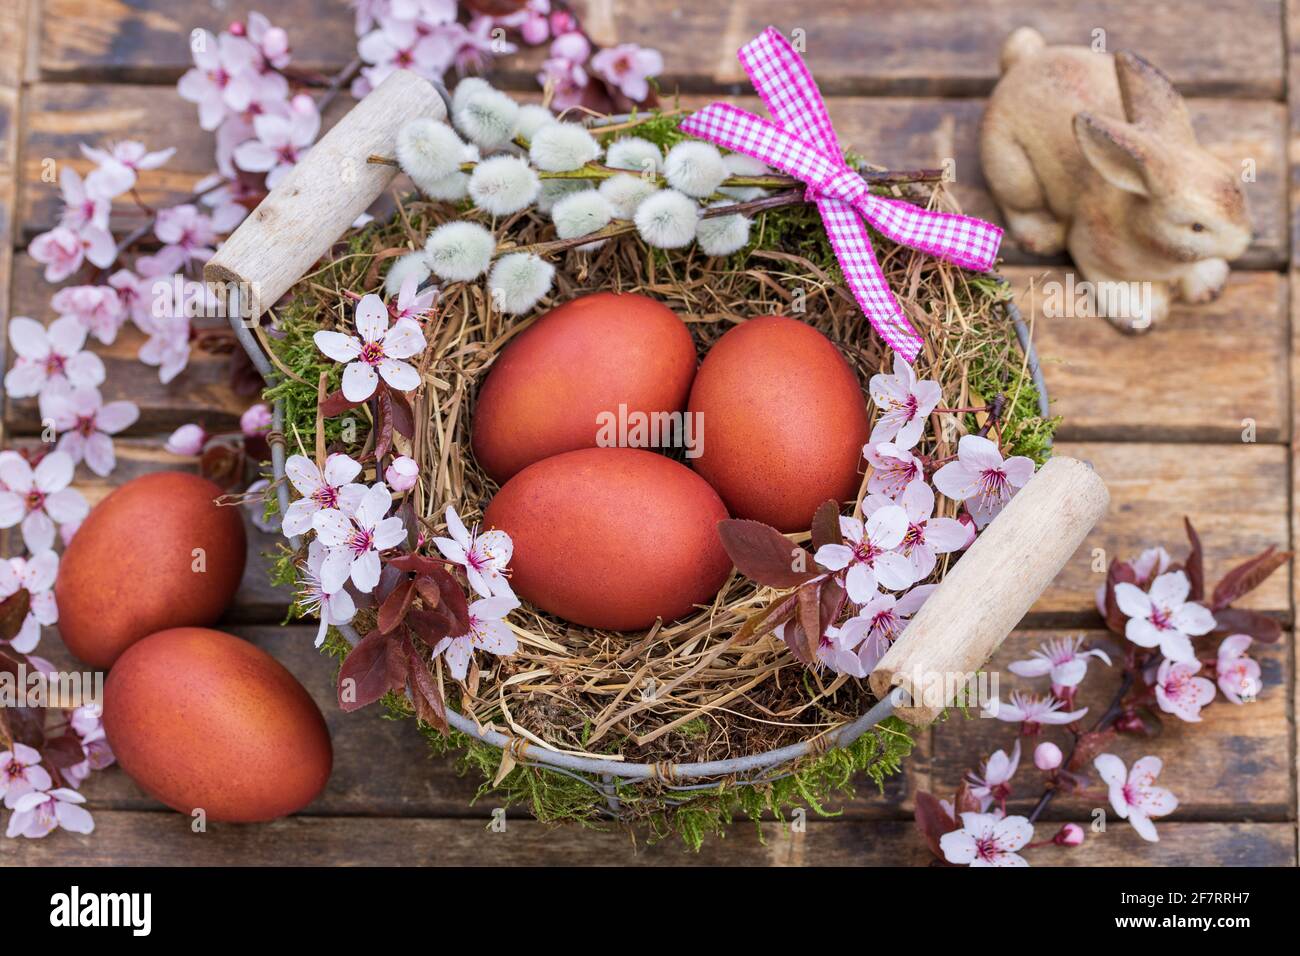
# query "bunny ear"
(1119, 151)
(1150, 100)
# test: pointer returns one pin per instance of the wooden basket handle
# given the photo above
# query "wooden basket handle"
(989, 590)
(320, 198)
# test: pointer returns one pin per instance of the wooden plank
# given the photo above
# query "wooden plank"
(1220, 369)
(1235, 495)
(13, 43)
(892, 132)
(940, 47)
(162, 839)
(201, 393)
(1234, 764)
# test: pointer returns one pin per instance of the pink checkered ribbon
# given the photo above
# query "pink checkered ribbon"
(803, 144)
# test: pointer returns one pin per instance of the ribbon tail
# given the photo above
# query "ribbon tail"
(788, 89)
(862, 272)
(962, 240)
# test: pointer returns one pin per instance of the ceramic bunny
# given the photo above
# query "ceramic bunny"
(1096, 154)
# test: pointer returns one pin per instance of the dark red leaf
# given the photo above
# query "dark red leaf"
(765, 555)
(26, 725)
(393, 611)
(366, 675)
(13, 612)
(223, 465)
(964, 801)
(403, 416)
(1247, 576)
(63, 751)
(1119, 572)
(429, 705)
(808, 610)
(415, 563)
(336, 404)
(833, 600)
(1195, 563)
(932, 822)
(826, 525)
(383, 423)
(1232, 620)
(445, 612)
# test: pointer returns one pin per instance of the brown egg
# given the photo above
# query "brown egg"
(783, 420)
(202, 719)
(156, 553)
(553, 387)
(612, 537)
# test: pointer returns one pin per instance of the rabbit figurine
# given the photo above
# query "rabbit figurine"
(1096, 154)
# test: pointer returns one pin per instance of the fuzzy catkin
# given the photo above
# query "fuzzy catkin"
(488, 118)
(503, 185)
(562, 148)
(635, 154)
(626, 192)
(518, 281)
(532, 118)
(668, 219)
(411, 264)
(459, 251)
(722, 235)
(695, 168)
(581, 214)
(738, 164)
(428, 151)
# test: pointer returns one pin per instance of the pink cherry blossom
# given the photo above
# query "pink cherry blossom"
(1032, 711)
(1164, 617)
(85, 203)
(474, 46)
(993, 782)
(271, 41)
(563, 72)
(869, 633)
(86, 424)
(40, 498)
(412, 303)
(1146, 566)
(981, 478)
(354, 541)
(628, 68)
(838, 647)
(488, 631)
(1071, 834)
(281, 142)
(36, 814)
(869, 554)
(217, 61)
(256, 94)
(63, 250)
(532, 22)
(926, 536)
(87, 724)
(402, 473)
(986, 839)
(119, 165)
(1180, 692)
(335, 487)
(35, 574)
(97, 307)
(892, 468)
(333, 609)
(1047, 756)
(187, 440)
(904, 402)
(377, 353)
(21, 773)
(484, 556)
(1135, 797)
(49, 355)
(188, 231)
(133, 295)
(231, 200)
(1238, 675)
(168, 344)
(256, 420)
(1063, 659)
(400, 45)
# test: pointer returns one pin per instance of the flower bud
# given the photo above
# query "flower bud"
(1047, 756)
(187, 440)
(255, 421)
(402, 473)
(1069, 835)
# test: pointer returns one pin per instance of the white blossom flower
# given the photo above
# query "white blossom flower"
(668, 219)
(1164, 617)
(487, 117)
(738, 164)
(986, 839)
(35, 574)
(637, 154)
(562, 148)
(581, 214)
(518, 282)
(402, 473)
(695, 168)
(86, 425)
(353, 541)
(98, 307)
(1237, 674)
(412, 303)
(333, 487)
(459, 251)
(21, 773)
(904, 402)
(993, 780)
(187, 440)
(413, 265)
(1032, 711)
(869, 554)
(869, 634)
(531, 119)
(722, 235)
(119, 165)
(1135, 796)
(280, 141)
(485, 557)
(926, 536)
(332, 609)
(45, 355)
(488, 631)
(982, 479)
(892, 468)
(40, 498)
(377, 353)
(428, 151)
(1180, 692)
(1062, 658)
(37, 813)
(625, 193)
(503, 185)
(63, 250)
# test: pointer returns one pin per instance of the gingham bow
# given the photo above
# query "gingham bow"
(803, 144)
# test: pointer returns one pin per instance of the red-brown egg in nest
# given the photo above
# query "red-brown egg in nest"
(156, 553)
(612, 538)
(555, 387)
(783, 420)
(201, 719)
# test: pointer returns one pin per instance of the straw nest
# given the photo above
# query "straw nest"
(686, 690)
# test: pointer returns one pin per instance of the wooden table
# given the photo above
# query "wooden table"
(1161, 417)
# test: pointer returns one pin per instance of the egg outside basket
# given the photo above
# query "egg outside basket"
(589, 726)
